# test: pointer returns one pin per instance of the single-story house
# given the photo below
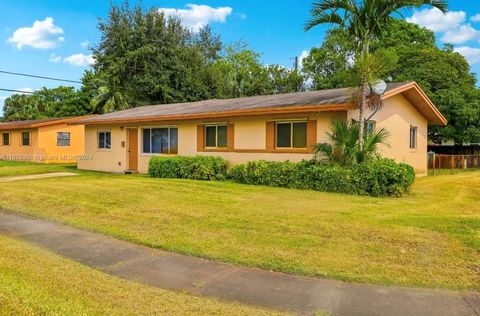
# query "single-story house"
(49, 140)
(274, 127)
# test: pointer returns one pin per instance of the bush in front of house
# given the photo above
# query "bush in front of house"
(186, 167)
(383, 177)
(377, 177)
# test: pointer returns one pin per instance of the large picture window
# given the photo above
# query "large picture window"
(413, 137)
(63, 139)
(104, 140)
(160, 140)
(25, 138)
(215, 136)
(291, 135)
(6, 139)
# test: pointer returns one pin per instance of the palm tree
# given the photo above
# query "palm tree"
(107, 101)
(344, 147)
(364, 22)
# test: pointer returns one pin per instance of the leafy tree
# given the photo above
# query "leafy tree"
(363, 23)
(22, 107)
(285, 80)
(46, 103)
(145, 57)
(242, 74)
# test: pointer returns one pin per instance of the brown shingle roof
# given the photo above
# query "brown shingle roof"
(323, 100)
(38, 123)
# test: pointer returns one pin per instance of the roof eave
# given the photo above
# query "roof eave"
(227, 114)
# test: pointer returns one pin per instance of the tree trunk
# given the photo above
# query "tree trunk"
(361, 119)
(363, 100)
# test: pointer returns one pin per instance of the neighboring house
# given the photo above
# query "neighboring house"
(49, 141)
(275, 127)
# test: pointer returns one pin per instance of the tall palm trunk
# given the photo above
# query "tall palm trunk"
(361, 119)
(363, 99)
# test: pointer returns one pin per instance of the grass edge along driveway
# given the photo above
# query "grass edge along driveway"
(35, 281)
(429, 238)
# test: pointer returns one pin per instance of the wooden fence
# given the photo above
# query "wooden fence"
(436, 161)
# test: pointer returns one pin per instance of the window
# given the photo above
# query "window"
(25, 138)
(63, 139)
(369, 127)
(292, 135)
(104, 140)
(216, 136)
(160, 140)
(6, 139)
(413, 137)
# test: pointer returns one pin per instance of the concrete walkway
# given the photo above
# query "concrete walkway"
(37, 176)
(250, 286)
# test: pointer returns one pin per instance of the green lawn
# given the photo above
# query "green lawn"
(429, 238)
(16, 168)
(36, 282)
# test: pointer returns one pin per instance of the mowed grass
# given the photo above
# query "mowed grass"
(17, 168)
(429, 238)
(36, 282)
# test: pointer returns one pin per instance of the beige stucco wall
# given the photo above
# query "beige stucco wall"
(16, 152)
(396, 116)
(250, 135)
(110, 160)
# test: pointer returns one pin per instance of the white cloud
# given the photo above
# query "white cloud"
(55, 58)
(302, 56)
(197, 16)
(84, 44)
(79, 60)
(475, 18)
(43, 34)
(26, 89)
(433, 19)
(470, 53)
(461, 35)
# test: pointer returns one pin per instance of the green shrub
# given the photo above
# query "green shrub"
(383, 177)
(195, 167)
(379, 177)
(261, 172)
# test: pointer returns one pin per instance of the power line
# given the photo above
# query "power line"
(39, 77)
(17, 91)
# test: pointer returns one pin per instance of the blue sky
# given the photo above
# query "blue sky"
(51, 38)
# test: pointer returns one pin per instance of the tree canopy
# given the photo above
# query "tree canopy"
(47, 103)
(145, 57)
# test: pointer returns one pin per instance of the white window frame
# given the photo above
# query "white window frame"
(216, 135)
(291, 133)
(105, 140)
(169, 145)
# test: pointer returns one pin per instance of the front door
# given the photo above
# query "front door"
(133, 149)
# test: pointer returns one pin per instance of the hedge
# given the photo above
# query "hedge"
(378, 177)
(192, 167)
